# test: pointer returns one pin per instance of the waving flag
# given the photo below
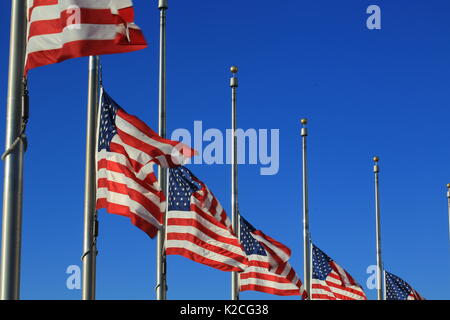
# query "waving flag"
(63, 29)
(269, 270)
(127, 152)
(398, 289)
(198, 227)
(330, 281)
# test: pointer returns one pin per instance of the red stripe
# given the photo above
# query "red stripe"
(85, 48)
(142, 224)
(200, 259)
(197, 241)
(269, 290)
(38, 3)
(196, 224)
(134, 195)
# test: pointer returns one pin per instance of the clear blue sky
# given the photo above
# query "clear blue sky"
(366, 92)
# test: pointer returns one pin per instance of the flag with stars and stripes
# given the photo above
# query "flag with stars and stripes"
(127, 151)
(197, 226)
(331, 282)
(63, 29)
(269, 270)
(398, 289)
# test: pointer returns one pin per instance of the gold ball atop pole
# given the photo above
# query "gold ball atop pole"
(448, 185)
(234, 69)
(304, 121)
(376, 159)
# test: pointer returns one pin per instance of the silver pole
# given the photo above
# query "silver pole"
(448, 197)
(306, 235)
(380, 277)
(234, 177)
(161, 283)
(90, 184)
(13, 174)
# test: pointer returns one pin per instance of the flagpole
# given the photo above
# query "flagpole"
(306, 234)
(13, 157)
(89, 257)
(161, 281)
(234, 176)
(448, 199)
(380, 277)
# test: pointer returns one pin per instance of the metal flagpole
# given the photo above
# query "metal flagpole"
(306, 234)
(15, 145)
(90, 184)
(448, 198)
(161, 285)
(234, 177)
(380, 277)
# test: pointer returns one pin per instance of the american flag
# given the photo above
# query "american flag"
(398, 289)
(197, 226)
(127, 152)
(63, 29)
(330, 281)
(269, 270)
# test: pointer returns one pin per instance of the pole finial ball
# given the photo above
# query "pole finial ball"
(448, 185)
(376, 159)
(234, 69)
(304, 121)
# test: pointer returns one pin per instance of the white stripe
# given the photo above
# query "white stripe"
(86, 32)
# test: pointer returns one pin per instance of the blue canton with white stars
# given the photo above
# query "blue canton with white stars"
(251, 245)
(396, 288)
(181, 187)
(321, 264)
(107, 128)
